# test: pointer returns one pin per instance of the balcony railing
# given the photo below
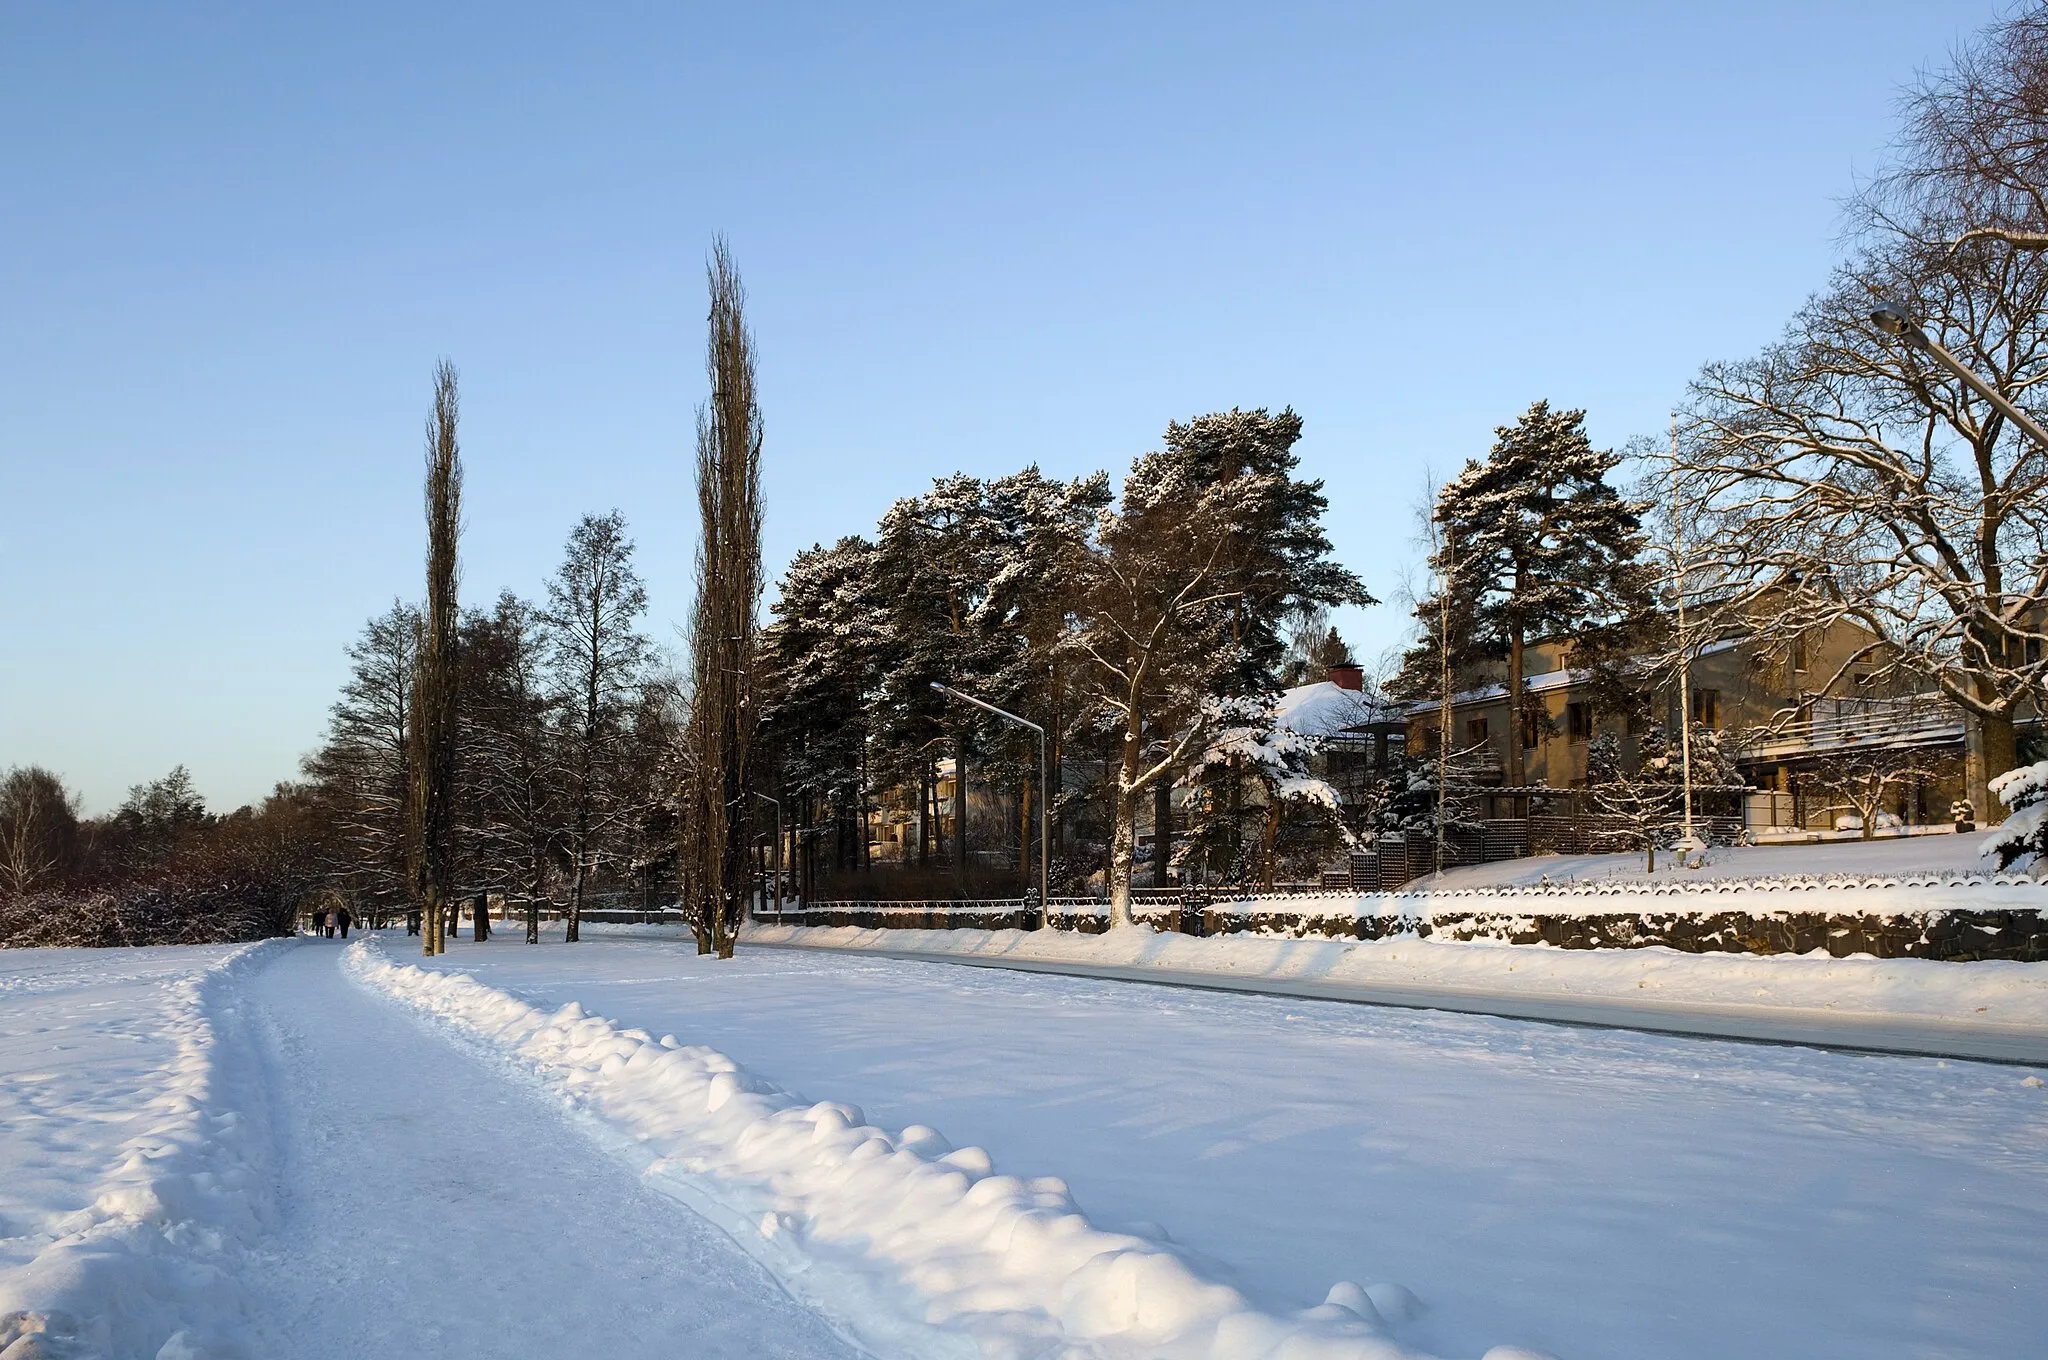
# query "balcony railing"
(1841, 724)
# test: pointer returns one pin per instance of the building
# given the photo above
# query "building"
(1785, 712)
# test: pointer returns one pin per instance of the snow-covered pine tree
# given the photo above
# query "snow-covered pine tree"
(933, 573)
(1534, 542)
(1211, 546)
(821, 667)
(1246, 745)
(2023, 836)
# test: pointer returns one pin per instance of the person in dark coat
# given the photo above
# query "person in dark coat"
(412, 920)
(341, 913)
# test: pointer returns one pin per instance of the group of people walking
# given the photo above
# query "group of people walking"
(326, 922)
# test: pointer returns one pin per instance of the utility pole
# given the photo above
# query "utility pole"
(1687, 842)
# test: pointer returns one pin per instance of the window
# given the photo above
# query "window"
(1706, 707)
(1578, 723)
(1475, 731)
(1798, 657)
(1533, 724)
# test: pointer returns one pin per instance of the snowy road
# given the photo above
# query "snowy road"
(1931, 1037)
(435, 1206)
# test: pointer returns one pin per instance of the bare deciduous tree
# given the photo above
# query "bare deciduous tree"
(38, 829)
(1864, 777)
(1974, 151)
(716, 816)
(1838, 479)
(593, 603)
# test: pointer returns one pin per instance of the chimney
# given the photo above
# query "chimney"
(1344, 675)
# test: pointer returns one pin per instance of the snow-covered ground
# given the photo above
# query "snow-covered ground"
(135, 1151)
(1991, 994)
(1590, 1193)
(311, 1151)
(1849, 857)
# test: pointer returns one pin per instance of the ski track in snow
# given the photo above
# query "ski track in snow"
(434, 1207)
(895, 1232)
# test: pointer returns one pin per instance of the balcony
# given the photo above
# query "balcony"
(1855, 724)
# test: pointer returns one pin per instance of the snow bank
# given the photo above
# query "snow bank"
(916, 1223)
(1985, 992)
(151, 1267)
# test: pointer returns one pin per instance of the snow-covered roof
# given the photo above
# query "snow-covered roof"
(1325, 708)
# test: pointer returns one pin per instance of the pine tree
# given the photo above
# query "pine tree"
(1534, 542)
(1212, 546)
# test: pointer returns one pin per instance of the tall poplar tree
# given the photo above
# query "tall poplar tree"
(716, 817)
(434, 692)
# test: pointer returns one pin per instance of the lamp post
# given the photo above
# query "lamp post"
(1044, 793)
(778, 850)
(1896, 320)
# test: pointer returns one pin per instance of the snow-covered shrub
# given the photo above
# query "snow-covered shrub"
(2024, 836)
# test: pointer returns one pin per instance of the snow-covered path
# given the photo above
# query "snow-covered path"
(435, 1205)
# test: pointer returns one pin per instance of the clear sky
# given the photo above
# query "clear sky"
(235, 238)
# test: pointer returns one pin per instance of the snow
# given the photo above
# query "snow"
(1325, 709)
(136, 1153)
(1851, 857)
(315, 1151)
(934, 1229)
(1590, 1194)
(1991, 993)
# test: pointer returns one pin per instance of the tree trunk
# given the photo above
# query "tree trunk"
(573, 934)
(1989, 750)
(1517, 768)
(1162, 829)
(1024, 827)
(1269, 841)
(960, 810)
(1123, 840)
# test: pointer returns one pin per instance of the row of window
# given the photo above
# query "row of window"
(1578, 721)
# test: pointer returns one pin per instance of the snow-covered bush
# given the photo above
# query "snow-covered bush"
(2024, 836)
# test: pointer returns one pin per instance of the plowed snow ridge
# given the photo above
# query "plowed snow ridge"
(901, 1222)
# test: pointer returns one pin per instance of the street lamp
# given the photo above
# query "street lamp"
(1895, 319)
(778, 849)
(1044, 792)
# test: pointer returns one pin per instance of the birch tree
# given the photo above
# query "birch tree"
(595, 601)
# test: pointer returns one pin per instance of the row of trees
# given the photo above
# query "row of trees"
(159, 869)
(1144, 629)
(536, 750)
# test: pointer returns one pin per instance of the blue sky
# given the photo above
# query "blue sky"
(235, 238)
